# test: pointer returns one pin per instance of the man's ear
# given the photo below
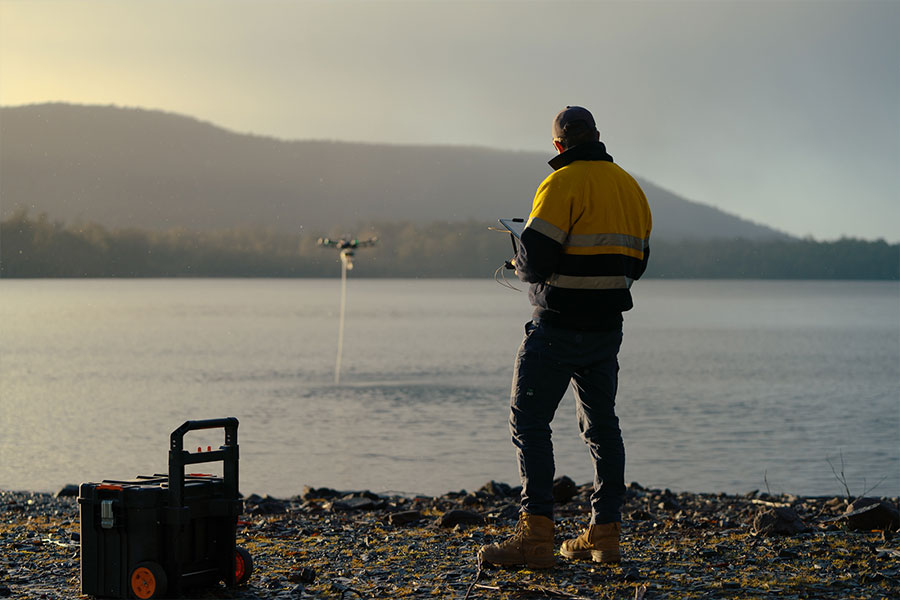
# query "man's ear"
(559, 147)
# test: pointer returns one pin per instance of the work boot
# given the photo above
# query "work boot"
(600, 543)
(531, 545)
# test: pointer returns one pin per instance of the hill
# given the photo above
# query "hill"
(134, 168)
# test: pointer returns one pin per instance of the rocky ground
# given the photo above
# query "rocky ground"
(325, 544)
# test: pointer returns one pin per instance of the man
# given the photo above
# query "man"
(585, 242)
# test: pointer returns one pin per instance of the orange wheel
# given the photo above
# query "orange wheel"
(147, 580)
(243, 566)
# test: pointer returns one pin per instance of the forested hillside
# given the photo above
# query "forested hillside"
(132, 168)
(40, 247)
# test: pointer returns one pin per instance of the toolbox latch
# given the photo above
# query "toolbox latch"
(107, 520)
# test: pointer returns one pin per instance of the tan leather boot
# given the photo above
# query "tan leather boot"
(531, 545)
(600, 543)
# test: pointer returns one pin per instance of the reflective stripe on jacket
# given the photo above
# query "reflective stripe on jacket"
(586, 240)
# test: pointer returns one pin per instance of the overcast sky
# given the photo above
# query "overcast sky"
(784, 113)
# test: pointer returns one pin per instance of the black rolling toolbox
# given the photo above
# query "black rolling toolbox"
(153, 536)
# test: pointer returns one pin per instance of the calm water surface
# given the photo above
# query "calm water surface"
(725, 386)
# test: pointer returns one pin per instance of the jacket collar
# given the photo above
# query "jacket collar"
(589, 151)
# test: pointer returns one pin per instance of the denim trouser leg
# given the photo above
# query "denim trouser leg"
(548, 359)
(595, 403)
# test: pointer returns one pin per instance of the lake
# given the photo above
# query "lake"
(727, 386)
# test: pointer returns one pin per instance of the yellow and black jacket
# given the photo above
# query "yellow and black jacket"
(587, 239)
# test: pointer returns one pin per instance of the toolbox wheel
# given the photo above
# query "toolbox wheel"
(148, 580)
(243, 565)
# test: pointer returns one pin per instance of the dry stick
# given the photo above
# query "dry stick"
(475, 581)
(553, 593)
(770, 504)
(841, 478)
(344, 589)
(521, 587)
(867, 490)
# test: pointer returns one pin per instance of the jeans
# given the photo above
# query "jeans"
(547, 360)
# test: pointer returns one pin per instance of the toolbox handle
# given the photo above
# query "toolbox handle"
(179, 457)
(230, 424)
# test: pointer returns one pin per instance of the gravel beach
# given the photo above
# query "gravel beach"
(327, 544)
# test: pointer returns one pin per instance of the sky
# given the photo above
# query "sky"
(785, 113)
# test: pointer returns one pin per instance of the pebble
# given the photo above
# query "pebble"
(405, 517)
(452, 518)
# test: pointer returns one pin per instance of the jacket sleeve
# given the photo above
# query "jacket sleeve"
(548, 225)
(644, 261)
(537, 257)
(646, 258)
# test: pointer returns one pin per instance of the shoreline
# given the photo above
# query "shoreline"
(324, 543)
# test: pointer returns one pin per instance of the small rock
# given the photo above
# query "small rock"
(363, 494)
(778, 521)
(68, 491)
(266, 506)
(510, 512)
(495, 489)
(640, 515)
(404, 518)
(358, 503)
(564, 489)
(310, 493)
(867, 514)
(452, 518)
(669, 504)
(303, 575)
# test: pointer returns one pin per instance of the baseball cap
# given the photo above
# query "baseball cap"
(569, 115)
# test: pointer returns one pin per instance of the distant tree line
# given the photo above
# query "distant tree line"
(778, 259)
(40, 247)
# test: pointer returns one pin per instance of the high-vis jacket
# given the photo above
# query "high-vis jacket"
(587, 239)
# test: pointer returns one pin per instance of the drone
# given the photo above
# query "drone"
(347, 247)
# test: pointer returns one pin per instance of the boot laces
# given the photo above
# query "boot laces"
(520, 531)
